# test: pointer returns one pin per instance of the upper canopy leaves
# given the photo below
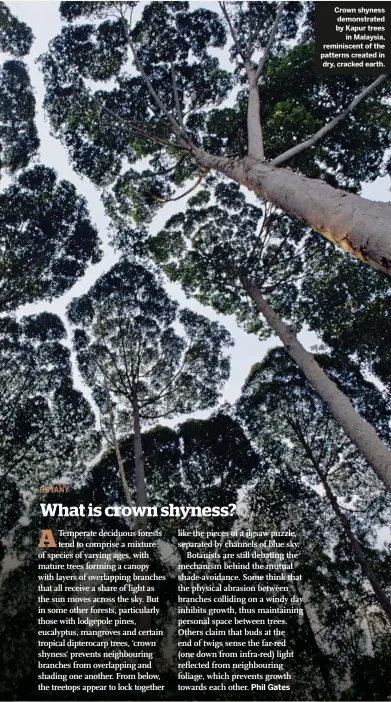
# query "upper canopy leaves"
(18, 132)
(212, 243)
(289, 422)
(16, 37)
(47, 239)
(47, 427)
(126, 342)
(181, 81)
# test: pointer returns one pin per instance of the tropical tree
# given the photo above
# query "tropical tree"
(47, 426)
(340, 628)
(18, 132)
(128, 349)
(16, 37)
(47, 239)
(279, 405)
(225, 251)
(174, 112)
(348, 306)
(200, 462)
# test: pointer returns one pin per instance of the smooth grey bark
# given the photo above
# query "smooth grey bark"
(361, 227)
(254, 129)
(362, 434)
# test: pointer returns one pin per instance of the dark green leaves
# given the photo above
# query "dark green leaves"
(18, 133)
(47, 427)
(15, 36)
(209, 246)
(46, 238)
(127, 344)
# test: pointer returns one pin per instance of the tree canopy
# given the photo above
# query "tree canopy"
(47, 239)
(16, 37)
(125, 337)
(172, 110)
(47, 426)
(215, 113)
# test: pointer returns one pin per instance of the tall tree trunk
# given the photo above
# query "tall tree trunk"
(319, 656)
(361, 227)
(362, 434)
(381, 596)
(254, 129)
(139, 465)
(121, 467)
(144, 620)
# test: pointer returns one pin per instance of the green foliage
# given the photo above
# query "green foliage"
(135, 345)
(16, 37)
(296, 100)
(216, 240)
(102, 146)
(200, 462)
(47, 427)
(47, 239)
(126, 341)
(279, 405)
(348, 305)
(18, 132)
(300, 447)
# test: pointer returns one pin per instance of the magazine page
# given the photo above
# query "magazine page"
(195, 255)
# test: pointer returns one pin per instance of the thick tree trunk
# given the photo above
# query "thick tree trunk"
(362, 434)
(254, 129)
(381, 596)
(361, 227)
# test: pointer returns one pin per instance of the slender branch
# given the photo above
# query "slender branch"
(165, 171)
(176, 97)
(271, 39)
(171, 382)
(176, 127)
(232, 31)
(142, 132)
(125, 358)
(174, 199)
(299, 148)
(362, 510)
(265, 220)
